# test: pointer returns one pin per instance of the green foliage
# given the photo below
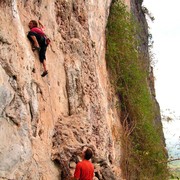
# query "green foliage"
(143, 147)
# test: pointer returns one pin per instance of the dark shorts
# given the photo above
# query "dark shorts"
(42, 43)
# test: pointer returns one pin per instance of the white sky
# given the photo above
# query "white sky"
(166, 35)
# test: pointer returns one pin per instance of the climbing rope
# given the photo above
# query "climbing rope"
(48, 83)
(66, 175)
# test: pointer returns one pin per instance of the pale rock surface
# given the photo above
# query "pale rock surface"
(45, 122)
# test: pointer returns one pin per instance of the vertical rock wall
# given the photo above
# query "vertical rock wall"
(44, 122)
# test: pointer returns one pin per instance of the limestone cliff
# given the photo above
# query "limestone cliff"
(45, 122)
(50, 118)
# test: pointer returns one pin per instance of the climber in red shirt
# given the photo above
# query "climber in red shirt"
(38, 38)
(84, 169)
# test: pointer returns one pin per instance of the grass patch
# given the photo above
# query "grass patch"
(143, 147)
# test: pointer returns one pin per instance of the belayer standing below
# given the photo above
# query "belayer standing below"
(38, 39)
(84, 169)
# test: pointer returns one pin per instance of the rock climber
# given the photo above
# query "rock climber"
(37, 37)
(84, 169)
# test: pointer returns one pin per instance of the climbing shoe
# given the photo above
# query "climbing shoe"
(44, 73)
(34, 70)
(36, 48)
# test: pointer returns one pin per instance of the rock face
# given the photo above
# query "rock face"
(45, 122)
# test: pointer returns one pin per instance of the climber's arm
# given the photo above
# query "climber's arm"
(40, 24)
